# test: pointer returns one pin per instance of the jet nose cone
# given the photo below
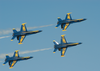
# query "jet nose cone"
(40, 30)
(31, 57)
(85, 19)
(80, 43)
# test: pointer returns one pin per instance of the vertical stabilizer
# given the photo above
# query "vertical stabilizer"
(7, 56)
(55, 42)
(59, 19)
(68, 16)
(14, 30)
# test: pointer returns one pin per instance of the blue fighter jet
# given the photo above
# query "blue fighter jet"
(22, 33)
(13, 60)
(67, 21)
(63, 45)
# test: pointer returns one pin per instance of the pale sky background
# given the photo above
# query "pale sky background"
(84, 57)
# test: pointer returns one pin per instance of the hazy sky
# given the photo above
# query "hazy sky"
(37, 13)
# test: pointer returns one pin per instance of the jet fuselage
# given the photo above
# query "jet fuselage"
(70, 21)
(25, 33)
(66, 45)
(17, 58)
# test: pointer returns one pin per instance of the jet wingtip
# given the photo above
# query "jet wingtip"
(11, 39)
(23, 23)
(63, 35)
(17, 50)
(3, 64)
(10, 67)
(58, 17)
(62, 56)
(53, 40)
(69, 13)
(20, 43)
(64, 30)
(53, 52)
(13, 28)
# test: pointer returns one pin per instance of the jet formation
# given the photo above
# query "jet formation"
(67, 21)
(20, 35)
(13, 60)
(63, 45)
(23, 33)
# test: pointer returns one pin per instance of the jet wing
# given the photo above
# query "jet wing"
(63, 50)
(65, 26)
(16, 54)
(23, 27)
(12, 63)
(63, 40)
(21, 38)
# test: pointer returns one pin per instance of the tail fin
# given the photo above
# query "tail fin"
(54, 50)
(7, 56)
(59, 19)
(55, 42)
(68, 16)
(14, 30)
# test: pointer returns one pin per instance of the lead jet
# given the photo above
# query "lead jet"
(67, 21)
(63, 45)
(22, 33)
(13, 60)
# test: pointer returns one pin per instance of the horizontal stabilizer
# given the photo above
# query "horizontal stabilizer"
(58, 25)
(54, 50)
(13, 38)
(5, 62)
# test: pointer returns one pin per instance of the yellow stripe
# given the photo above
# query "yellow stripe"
(26, 57)
(23, 27)
(66, 26)
(13, 63)
(63, 39)
(63, 51)
(73, 44)
(34, 31)
(22, 37)
(62, 56)
(16, 54)
(79, 19)
(10, 67)
(68, 16)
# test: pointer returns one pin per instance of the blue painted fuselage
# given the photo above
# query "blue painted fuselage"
(70, 21)
(17, 58)
(25, 33)
(66, 45)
